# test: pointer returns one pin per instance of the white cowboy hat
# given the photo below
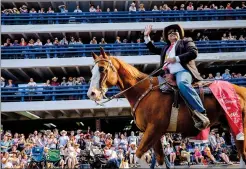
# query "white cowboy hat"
(133, 143)
(108, 135)
(63, 131)
(54, 78)
(97, 132)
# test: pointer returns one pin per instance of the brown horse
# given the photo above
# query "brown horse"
(154, 110)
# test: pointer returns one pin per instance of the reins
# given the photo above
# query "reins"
(124, 91)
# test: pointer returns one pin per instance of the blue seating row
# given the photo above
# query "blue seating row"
(24, 93)
(19, 52)
(109, 17)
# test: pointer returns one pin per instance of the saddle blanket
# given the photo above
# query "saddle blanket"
(227, 97)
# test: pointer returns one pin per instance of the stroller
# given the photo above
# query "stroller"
(37, 158)
(53, 158)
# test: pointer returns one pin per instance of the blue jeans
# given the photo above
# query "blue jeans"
(184, 80)
(153, 161)
(114, 162)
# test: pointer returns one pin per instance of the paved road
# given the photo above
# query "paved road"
(145, 165)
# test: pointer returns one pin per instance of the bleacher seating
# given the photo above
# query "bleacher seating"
(23, 93)
(120, 17)
(19, 52)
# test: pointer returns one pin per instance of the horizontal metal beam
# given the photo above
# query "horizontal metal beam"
(64, 113)
(40, 73)
(77, 69)
(12, 76)
(50, 71)
(23, 73)
(64, 70)
(79, 112)
(92, 112)
(51, 114)
(112, 27)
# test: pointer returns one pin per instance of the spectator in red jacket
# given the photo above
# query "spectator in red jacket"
(23, 42)
(229, 6)
(54, 82)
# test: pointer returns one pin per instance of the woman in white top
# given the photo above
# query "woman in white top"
(70, 156)
(132, 154)
(32, 88)
(116, 141)
(123, 142)
(6, 163)
(32, 83)
(38, 43)
(170, 152)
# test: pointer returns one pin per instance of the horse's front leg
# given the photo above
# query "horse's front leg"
(148, 140)
(158, 150)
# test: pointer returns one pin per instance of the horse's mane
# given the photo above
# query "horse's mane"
(129, 70)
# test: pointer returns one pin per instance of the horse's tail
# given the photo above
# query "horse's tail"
(241, 91)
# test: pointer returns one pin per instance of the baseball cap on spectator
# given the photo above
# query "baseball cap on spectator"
(227, 70)
(64, 78)
(24, 6)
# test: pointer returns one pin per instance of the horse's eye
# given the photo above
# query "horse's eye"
(101, 69)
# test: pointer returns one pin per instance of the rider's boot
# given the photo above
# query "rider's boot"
(201, 120)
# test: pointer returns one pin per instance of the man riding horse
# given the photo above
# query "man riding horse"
(178, 56)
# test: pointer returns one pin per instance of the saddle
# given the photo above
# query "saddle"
(168, 85)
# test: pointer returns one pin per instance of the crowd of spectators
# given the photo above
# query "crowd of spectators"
(78, 41)
(71, 81)
(119, 149)
(225, 76)
(63, 41)
(133, 7)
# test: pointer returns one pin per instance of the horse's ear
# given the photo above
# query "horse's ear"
(94, 56)
(103, 53)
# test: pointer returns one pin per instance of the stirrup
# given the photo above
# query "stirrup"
(201, 121)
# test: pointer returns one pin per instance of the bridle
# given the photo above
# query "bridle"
(101, 82)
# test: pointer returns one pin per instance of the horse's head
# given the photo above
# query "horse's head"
(104, 76)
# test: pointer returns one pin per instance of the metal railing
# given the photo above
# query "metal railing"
(53, 93)
(119, 17)
(127, 49)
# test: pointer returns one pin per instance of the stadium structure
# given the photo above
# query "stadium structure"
(24, 109)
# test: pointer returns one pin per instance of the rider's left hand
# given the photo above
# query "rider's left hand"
(170, 60)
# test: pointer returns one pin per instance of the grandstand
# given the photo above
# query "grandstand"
(24, 106)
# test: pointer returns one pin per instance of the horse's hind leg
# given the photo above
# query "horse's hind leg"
(148, 140)
(159, 152)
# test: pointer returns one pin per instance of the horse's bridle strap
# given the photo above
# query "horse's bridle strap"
(142, 96)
